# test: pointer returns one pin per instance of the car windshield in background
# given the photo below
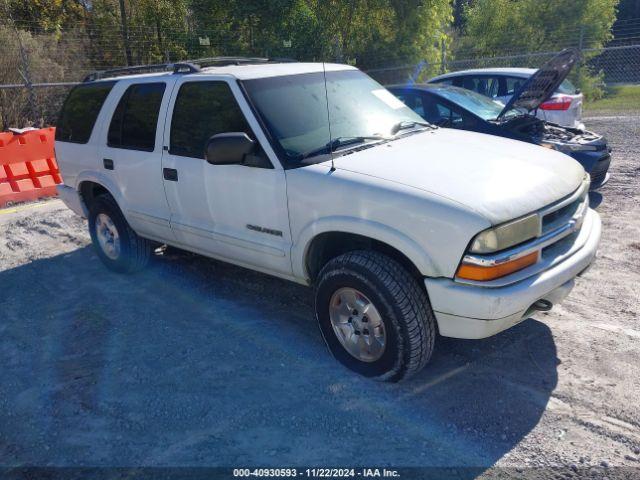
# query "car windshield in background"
(483, 107)
(294, 110)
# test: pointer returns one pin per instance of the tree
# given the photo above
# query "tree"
(504, 27)
(494, 27)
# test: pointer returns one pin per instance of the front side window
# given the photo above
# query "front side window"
(80, 111)
(203, 109)
(298, 109)
(135, 120)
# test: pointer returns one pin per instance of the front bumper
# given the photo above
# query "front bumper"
(71, 198)
(470, 311)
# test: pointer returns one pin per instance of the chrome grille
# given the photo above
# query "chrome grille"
(560, 225)
(566, 210)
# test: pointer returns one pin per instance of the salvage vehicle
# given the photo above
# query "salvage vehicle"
(453, 107)
(315, 173)
(563, 107)
(458, 108)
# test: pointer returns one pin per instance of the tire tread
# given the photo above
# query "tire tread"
(410, 299)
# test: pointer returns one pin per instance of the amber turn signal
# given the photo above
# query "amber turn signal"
(482, 274)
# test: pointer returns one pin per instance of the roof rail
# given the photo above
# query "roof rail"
(188, 66)
(224, 61)
(179, 67)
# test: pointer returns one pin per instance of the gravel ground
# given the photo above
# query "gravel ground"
(194, 362)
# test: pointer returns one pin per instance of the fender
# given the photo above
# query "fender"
(367, 228)
(109, 184)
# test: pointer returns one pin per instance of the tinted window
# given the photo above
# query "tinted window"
(204, 109)
(514, 84)
(482, 84)
(444, 81)
(80, 111)
(135, 119)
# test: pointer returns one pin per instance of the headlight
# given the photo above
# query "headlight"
(569, 147)
(507, 235)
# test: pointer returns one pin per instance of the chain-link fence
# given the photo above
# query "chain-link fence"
(613, 65)
(37, 69)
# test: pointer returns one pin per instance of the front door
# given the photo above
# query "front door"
(234, 212)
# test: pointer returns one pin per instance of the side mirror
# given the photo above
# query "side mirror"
(228, 148)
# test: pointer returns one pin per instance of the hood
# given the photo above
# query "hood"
(499, 178)
(542, 84)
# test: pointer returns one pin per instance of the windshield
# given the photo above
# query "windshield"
(483, 107)
(296, 110)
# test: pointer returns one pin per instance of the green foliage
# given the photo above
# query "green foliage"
(371, 33)
(617, 99)
(501, 27)
(39, 16)
(494, 27)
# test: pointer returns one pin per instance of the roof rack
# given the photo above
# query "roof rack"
(188, 66)
(180, 67)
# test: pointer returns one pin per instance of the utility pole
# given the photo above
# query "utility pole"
(125, 33)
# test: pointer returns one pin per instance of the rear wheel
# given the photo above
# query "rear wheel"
(374, 316)
(118, 246)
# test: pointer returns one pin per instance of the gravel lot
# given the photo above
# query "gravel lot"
(194, 362)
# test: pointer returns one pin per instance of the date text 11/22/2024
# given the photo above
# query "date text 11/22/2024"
(317, 472)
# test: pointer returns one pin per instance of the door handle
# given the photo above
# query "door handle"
(170, 174)
(108, 163)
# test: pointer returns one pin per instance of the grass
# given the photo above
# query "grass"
(623, 98)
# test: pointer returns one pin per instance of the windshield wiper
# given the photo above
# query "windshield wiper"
(404, 124)
(339, 142)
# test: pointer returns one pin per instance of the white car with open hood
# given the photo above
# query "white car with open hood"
(317, 174)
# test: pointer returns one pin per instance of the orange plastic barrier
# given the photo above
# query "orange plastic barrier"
(28, 168)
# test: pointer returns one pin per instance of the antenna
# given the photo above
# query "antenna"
(326, 96)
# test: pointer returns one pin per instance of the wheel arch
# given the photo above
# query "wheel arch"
(329, 238)
(90, 185)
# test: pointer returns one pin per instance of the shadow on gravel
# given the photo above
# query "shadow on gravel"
(195, 362)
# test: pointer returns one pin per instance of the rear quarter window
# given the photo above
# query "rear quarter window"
(567, 87)
(80, 111)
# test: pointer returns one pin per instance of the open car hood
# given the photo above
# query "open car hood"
(541, 85)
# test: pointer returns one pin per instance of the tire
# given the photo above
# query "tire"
(133, 251)
(400, 304)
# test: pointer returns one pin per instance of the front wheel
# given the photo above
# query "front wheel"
(118, 246)
(374, 316)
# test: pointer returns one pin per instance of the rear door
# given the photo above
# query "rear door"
(132, 152)
(234, 212)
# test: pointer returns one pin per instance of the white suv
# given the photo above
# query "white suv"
(317, 174)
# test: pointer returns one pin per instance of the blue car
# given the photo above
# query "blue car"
(454, 107)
